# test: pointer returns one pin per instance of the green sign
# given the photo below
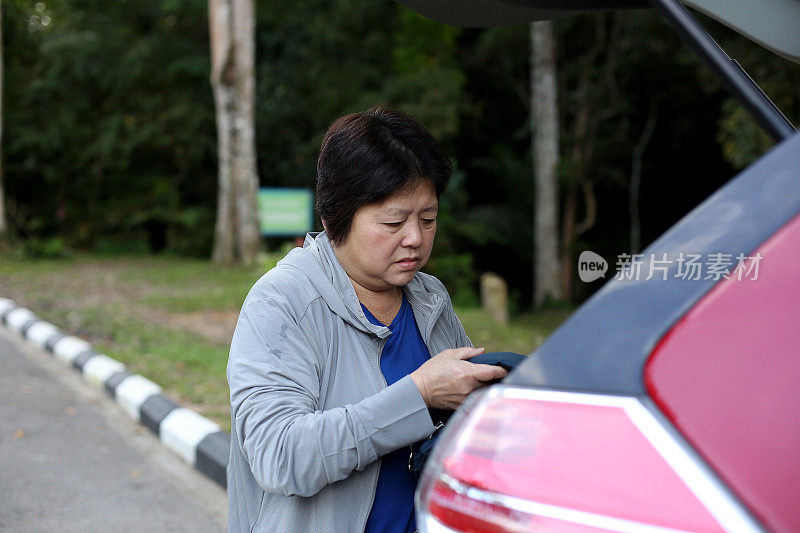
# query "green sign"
(285, 212)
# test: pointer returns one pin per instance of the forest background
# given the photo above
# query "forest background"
(109, 137)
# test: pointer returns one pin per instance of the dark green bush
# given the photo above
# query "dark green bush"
(47, 248)
(458, 275)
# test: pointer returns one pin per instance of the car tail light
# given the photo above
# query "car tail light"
(522, 460)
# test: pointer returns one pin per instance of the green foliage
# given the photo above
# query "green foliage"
(112, 245)
(110, 143)
(319, 60)
(110, 122)
(426, 79)
(49, 248)
(742, 140)
(458, 275)
(740, 137)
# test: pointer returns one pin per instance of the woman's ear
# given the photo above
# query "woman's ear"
(324, 225)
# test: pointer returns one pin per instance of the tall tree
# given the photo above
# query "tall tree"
(595, 99)
(232, 35)
(544, 127)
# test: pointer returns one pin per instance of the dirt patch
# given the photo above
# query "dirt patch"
(83, 283)
(215, 326)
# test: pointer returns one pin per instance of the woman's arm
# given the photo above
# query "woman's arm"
(293, 447)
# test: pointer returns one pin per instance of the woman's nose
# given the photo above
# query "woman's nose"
(413, 235)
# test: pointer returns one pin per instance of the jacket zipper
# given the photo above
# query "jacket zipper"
(434, 317)
(363, 525)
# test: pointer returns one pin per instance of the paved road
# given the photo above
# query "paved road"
(71, 461)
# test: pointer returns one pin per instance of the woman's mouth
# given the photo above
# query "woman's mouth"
(408, 263)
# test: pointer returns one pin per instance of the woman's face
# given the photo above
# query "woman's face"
(390, 241)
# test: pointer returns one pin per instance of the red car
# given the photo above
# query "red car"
(669, 401)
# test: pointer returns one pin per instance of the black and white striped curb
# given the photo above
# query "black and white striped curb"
(196, 439)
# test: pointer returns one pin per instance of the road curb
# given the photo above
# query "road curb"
(191, 436)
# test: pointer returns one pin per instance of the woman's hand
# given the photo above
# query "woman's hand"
(445, 379)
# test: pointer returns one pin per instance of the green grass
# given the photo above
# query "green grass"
(191, 369)
(139, 310)
(522, 334)
(170, 319)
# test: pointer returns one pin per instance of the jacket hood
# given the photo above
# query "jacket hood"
(317, 260)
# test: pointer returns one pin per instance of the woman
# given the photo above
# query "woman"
(330, 370)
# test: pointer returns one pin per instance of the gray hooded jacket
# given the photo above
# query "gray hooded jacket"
(311, 413)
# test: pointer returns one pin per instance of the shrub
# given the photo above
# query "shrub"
(458, 275)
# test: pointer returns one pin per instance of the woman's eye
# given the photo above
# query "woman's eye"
(428, 221)
(394, 224)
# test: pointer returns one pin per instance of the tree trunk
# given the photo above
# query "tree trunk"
(571, 229)
(588, 116)
(544, 129)
(3, 226)
(232, 34)
(636, 180)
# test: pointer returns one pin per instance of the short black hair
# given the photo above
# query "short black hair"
(366, 157)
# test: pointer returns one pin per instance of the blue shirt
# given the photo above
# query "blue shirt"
(404, 351)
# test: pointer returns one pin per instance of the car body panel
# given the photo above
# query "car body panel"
(771, 23)
(727, 376)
